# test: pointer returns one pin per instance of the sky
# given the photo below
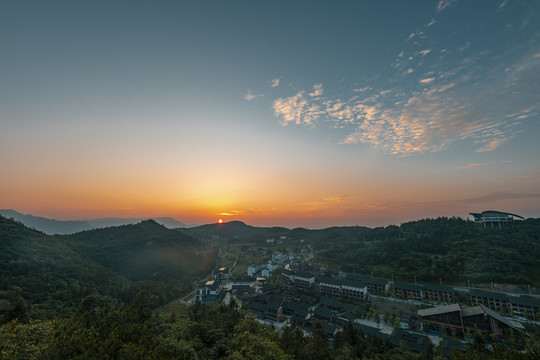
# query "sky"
(276, 113)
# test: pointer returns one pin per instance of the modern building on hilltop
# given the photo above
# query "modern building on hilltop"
(494, 217)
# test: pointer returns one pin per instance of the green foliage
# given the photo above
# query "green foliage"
(44, 277)
(448, 249)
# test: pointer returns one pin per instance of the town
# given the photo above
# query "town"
(289, 289)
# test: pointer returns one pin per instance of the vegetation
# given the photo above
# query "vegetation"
(201, 332)
(107, 294)
(47, 277)
(444, 249)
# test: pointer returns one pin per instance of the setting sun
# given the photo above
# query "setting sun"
(220, 221)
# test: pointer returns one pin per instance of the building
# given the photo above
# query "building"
(374, 286)
(342, 289)
(267, 308)
(408, 291)
(494, 217)
(299, 279)
(436, 292)
(330, 287)
(524, 306)
(452, 319)
(221, 273)
(493, 300)
(353, 290)
(209, 291)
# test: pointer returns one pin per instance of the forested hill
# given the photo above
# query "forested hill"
(144, 251)
(41, 275)
(49, 276)
(450, 249)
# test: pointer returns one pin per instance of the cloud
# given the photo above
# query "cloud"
(275, 83)
(480, 106)
(427, 80)
(250, 96)
(498, 196)
(362, 89)
(443, 4)
(502, 5)
(433, 21)
(317, 90)
(468, 166)
(296, 109)
(335, 198)
(531, 177)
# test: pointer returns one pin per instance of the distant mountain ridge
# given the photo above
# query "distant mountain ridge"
(63, 227)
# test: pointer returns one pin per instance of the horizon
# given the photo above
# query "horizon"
(275, 114)
(217, 222)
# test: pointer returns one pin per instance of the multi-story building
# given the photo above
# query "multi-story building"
(374, 285)
(491, 299)
(523, 305)
(438, 293)
(408, 291)
(330, 287)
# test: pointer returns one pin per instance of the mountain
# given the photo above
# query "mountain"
(48, 226)
(43, 272)
(114, 221)
(233, 229)
(51, 226)
(143, 251)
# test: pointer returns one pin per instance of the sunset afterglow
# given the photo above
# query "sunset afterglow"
(288, 114)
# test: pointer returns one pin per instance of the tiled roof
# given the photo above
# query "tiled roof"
(439, 310)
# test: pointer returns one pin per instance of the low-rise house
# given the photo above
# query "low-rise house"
(332, 304)
(257, 308)
(414, 341)
(324, 313)
(221, 273)
(329, 328)
(209, 291)
(241, 291)
(371, 331)
(266, 308)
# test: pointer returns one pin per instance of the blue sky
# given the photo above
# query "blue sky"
(276, 113)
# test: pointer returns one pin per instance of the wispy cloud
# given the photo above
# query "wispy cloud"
(464, 103)
(296, 109)
(427, 80)
(468, 166)
(250, 96)
(274, 83)
(317, 90)
(443, 4)
(531, 177)
(502, 5)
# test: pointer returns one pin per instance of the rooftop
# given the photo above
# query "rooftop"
(439, 310)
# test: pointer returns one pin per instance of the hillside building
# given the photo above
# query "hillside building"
(492, 217)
